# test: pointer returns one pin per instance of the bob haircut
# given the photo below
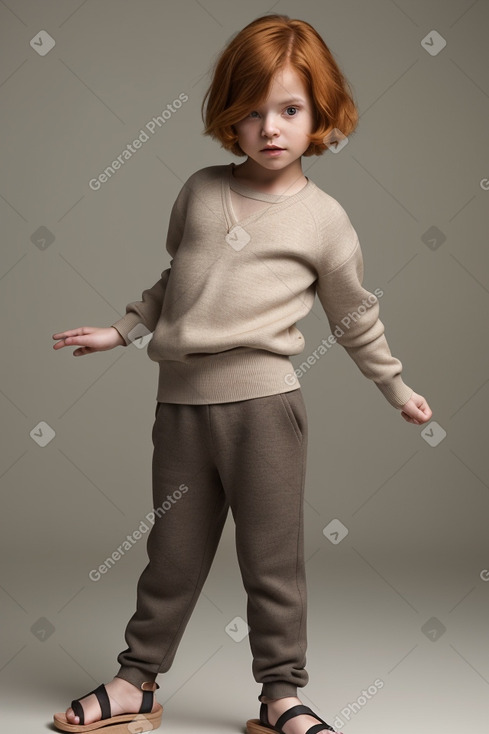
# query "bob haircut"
(243, 74)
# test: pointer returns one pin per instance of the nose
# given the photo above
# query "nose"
(269, 126)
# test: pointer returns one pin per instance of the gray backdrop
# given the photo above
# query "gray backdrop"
(398, 607)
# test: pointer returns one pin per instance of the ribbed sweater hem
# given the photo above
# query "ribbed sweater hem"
(236, 374)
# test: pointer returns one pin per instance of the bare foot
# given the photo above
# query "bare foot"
(124, 699)
(297, 725)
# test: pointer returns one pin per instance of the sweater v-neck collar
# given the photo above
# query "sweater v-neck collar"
(278, 200)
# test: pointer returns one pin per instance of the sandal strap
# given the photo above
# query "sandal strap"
(292, 713)
(297, 711)
(102, 699)
(147, 703)
(264, 714)
(319, 728)
(78, 710)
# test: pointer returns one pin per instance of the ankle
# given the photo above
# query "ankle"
(284, 701)
(123, 692)
(132, 687)
(279, 705)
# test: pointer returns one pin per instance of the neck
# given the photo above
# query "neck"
(286, 181)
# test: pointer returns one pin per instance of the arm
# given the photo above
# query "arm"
(353, 315)
(147, 311)
(353, 312)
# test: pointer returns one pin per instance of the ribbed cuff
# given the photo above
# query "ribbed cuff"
(278, 689)
(136, 676)
(126, 324)
(396, 391)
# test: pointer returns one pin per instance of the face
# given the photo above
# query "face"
(284, 120)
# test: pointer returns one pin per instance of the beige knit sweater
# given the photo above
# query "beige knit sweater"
(224, 313)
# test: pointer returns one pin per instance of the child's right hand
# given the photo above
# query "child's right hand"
(90, 338)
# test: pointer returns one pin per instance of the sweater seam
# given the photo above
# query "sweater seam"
(319, 241)
(352, 253)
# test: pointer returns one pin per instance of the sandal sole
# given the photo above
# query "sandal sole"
(254, 726)
(122, 724)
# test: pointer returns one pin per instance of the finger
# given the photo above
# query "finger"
(70, 332)
(60, 344)
(426, 414)
(408, 418)
(427, 411)
(81, 341)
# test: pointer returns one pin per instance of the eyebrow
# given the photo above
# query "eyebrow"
(293, 99)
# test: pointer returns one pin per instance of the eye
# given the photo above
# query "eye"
(292, 108)
(254, 112)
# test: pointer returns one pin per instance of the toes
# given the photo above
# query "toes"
(70, 716)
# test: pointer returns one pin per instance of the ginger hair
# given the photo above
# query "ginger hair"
(243, 73)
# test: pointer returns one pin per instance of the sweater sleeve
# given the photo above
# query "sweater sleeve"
(353, 312)
(147, 311)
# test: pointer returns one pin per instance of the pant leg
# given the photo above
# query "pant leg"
(181, 544)
(261, 445)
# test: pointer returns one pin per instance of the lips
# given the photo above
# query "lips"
(272, 147)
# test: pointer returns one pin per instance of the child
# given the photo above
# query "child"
(251, 246)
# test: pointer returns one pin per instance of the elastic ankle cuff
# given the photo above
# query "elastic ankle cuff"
(278, 689)
(135, 676)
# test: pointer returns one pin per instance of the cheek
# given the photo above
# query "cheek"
(245, 135)
(242, 129)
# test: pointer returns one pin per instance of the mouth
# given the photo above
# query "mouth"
(271, 147)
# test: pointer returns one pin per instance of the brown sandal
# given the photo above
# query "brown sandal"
(263, 726)
(121, 724)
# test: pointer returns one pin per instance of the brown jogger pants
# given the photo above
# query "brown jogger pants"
(248, 455)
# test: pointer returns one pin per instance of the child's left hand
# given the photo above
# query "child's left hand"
(416, 410)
